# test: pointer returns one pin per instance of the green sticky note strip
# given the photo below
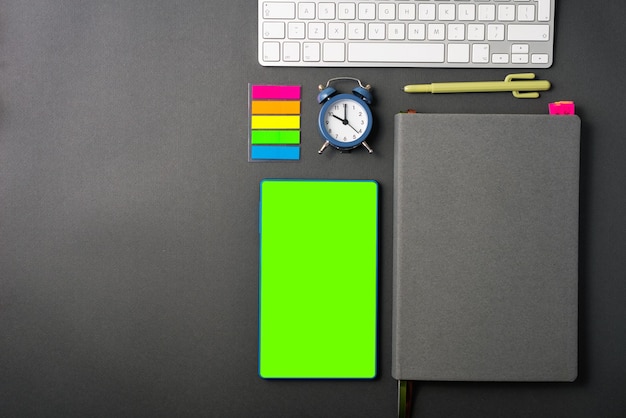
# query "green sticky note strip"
(318, 279)
(274, 137)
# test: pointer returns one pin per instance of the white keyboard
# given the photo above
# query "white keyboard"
(395, 33)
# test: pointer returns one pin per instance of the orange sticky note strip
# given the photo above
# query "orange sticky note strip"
(275, 107)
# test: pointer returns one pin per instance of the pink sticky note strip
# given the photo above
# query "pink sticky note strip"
(562, 108)
(260, 92)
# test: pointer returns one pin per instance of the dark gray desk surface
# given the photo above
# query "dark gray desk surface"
(128, 229)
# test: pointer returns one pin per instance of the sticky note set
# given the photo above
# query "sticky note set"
(318, 282)
(274, 123)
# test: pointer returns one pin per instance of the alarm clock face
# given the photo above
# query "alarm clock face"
(345, 121)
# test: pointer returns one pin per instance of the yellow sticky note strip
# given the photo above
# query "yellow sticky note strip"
(275, 107)
(275, 122)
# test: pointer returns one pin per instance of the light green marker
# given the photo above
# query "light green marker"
(525, 88)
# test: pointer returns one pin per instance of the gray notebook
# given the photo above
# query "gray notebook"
(486, 247)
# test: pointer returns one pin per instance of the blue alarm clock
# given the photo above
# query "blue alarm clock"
(345, 120)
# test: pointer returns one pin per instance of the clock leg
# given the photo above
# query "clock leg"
(326, 144)
(367, 147)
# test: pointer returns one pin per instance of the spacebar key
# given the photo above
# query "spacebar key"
(395, 52)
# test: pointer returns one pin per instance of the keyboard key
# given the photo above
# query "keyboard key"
(326, 11)
(436, 32)
(417, 31)
(396, 52)
(459, 53)
(500, 58)
(356, 31)
(480, 53)
(334, 52)
(476, 32)
(456, 32)
(311, 52)
(386, 11)
(519, 58)
(426, 11)
(273, 30)
(306, 11)
(336, 30)
(506, 12)
(376, 31)
(467, 12)
(296, 30)
(367, 11)
(317, 30)
(487, 12)
(543, 10)
(271, 51)
(539, 58)
(519, 48)
(495, 32)
(347, 11)
(526, 13)
(396, 31)
(446, 11)
(291, 51)
(406, 11)
(528, 33)
(276, 10)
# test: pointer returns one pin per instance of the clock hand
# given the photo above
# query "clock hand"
(336, 117)
(344, 121)
(345, 113)
(355, 130)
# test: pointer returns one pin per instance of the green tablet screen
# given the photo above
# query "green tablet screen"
(318, 279)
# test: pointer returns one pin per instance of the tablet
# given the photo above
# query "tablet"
(318, 278)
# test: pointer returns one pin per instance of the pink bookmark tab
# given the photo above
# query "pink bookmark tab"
(260, 92)
(562, 108)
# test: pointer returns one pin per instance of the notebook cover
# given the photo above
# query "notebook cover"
(485, 247)
(318, 279)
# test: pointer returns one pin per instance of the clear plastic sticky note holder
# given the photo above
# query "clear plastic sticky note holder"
(274, 112)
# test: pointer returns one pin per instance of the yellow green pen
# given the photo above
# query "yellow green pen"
(526, 87)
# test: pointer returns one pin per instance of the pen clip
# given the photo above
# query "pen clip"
(522, 76)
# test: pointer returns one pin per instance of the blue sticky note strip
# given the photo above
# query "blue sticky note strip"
(268, 152)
